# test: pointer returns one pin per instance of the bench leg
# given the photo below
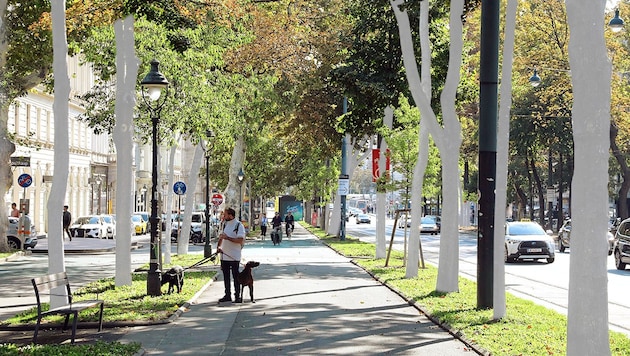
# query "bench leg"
(39, 319)
(100, 319)
(74, 325)
(65, 322)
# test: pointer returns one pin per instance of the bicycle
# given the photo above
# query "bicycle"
(289, 231)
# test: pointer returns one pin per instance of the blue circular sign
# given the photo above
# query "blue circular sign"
(179, 188)
(25, 180)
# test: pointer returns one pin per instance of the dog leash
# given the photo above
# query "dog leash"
(212, 257)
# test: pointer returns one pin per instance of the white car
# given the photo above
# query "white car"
(527, 240)
(89, 226)
(110, 224)
(30, 240)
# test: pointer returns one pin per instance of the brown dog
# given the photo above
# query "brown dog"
(245, 278)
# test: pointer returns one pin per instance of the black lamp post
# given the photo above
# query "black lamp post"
(205, 144)
(240, 177)
(152, 86)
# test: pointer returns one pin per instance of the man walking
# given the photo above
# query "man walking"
(231, 241)
(67, 218)
(14, 211)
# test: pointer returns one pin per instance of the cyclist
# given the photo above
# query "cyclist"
(289, 222)
(276, 225)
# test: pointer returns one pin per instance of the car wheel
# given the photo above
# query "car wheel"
(506, 259)
(551, 259)
(13, 244)
(620, 265)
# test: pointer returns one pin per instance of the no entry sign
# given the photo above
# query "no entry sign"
(217, 199)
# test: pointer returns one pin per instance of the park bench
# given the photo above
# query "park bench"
(51, 281)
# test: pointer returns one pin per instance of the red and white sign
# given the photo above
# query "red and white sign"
(376, 156)
(217, 199)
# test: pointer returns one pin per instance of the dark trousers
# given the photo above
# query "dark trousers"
(66, 231)
(228, 267)
(263, 230)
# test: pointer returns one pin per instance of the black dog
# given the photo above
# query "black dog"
(175, 278)
(246, 278)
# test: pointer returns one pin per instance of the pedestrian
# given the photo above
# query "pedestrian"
(263, 226)
(67, 218)
(231, 241)
(14, 211)
(289, 222)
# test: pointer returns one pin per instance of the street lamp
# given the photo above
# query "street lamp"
(240, 177)
(152, 86)
(205, 144)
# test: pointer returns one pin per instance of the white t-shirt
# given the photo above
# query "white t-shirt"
(232, 250)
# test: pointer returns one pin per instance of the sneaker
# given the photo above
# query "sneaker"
(238, 300)
(225, 299)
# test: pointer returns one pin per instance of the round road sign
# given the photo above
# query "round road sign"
(179, 188)
(25, 180)
(217, 199)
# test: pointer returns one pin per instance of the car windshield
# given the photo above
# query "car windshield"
(427, 220)
(197, 217)
(525, 229)
(88, 220)
(108, 219)
(136, 218)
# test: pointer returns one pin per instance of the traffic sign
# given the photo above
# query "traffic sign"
(25, 180)
(217, 199)
(179, 188)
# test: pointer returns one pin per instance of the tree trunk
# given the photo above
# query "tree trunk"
(127, 64)
(6, 146)
(588, 329)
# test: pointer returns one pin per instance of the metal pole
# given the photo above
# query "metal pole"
(207, 248)
(344, 173)
(154, 284)
(549, 188)
(240, 202)
(488, 119)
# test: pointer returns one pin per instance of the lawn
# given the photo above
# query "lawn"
(527, 329)
(122, 304)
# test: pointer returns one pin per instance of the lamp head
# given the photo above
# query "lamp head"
(241, 175)
(154, 81)
(535, 80)
(616, 23)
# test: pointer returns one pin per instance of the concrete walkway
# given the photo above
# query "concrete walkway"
(309, 300)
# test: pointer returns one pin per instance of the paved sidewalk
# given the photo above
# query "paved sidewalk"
(309, 300)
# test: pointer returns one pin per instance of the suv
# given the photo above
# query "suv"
(622, 245)
(12, 236)
(196, 227)
(526, 240)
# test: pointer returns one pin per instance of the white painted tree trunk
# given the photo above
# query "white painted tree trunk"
(127, 72)
(588, 282)
(232, 191)
(6, 146)
(381, 198)
(169, 205)
(193, 176)
(503, 140)
(447, 139)
(56, 260)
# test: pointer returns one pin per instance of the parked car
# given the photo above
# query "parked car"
(89, 226)
(429, 225)
(12, 236)
(197, 227)
(438, 221)
(110, 224)
(139, 225)
(621, 250)
(527, 240)
(363, 218)
(564, 238)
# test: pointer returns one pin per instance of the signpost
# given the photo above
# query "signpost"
(180, 189)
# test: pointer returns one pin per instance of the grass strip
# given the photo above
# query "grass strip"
(527, 329)
(124, 304)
